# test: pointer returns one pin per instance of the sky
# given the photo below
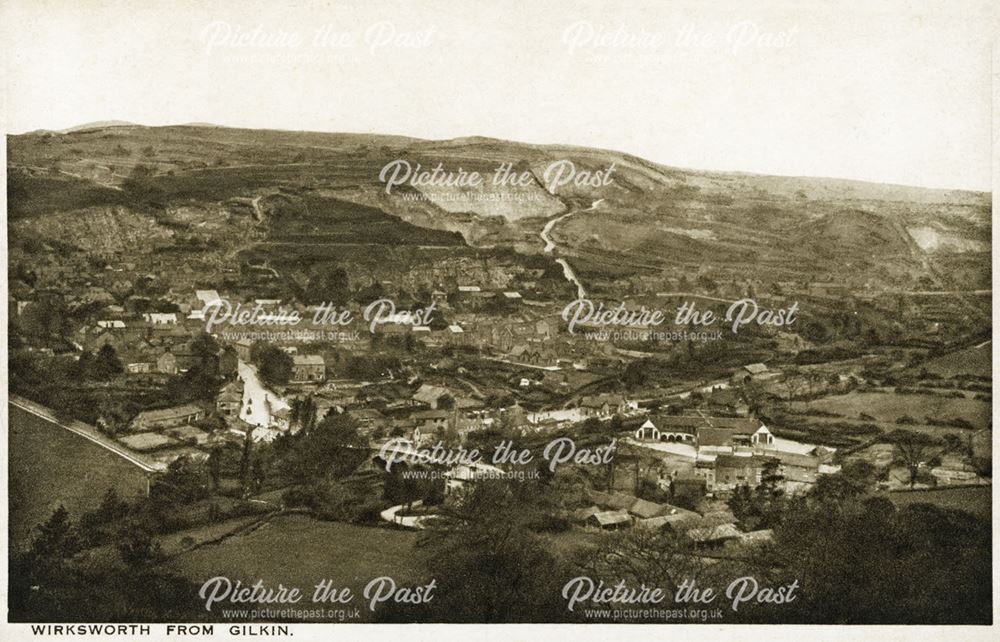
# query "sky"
(895, 91)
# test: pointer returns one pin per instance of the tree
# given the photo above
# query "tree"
(184, 482)
(106, 364)
(257, 475)
(760, 507)
(865, 562)
(640, 556)
(273, 364)
(140, 185)
(57, 540)
(245, 460)
(489, 561)
(205, 349)
(215, 465)
(45, 317)
(331, 450)
(136, 544)
(112, 509)
(635, 373)
(914, 449)
(329, 285)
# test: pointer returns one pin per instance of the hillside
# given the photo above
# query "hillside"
(652, 219)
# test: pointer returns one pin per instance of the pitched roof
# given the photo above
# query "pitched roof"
(714, 437)
(735, 461)
(208, 297)
(758, 537)
(611, 517)
(713, 533)
(168, 413)
(755, 368)
(646, 509)
(145, 440)
(431, 414)
(429, 394)
(668, 423)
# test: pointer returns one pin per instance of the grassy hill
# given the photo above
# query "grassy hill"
(652, 218)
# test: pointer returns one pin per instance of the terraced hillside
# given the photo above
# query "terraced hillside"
(651, 219)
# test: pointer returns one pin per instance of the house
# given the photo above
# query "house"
(228, 362)
(584, 514)
(673, 518)
(281, 414)
(432, 396)
(689, 486)
(456, 334)
(107, 337)
(307, 368)
(753, 538)
(139, 367)
(641, 509)
(611, 520)
(754, 372)
(175, 361)
(732, 471)
(430, 420)
(166, 363)
(727, 400)
(708, 530)
(601, 405)
(522, 353)
(713, 536)
(98, 295)
(369, 419)
(728, 435)
(230, 399)
(242, 347)
(714, 434)
(662, 428)
(207, 298)
(645, 509)
(160, 318)
(168, 417)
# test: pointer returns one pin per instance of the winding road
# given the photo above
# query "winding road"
(550, 245)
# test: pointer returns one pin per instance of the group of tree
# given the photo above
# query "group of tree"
(318, 462)
(46, 584)
(328, 284)
(304, 412)
(103, 366)
(273, 364)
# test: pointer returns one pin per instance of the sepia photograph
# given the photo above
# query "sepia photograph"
(584, 312)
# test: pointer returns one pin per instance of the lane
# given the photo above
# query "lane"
(550, 245)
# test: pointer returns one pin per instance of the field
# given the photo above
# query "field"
(976, 500)
(975, 361)
(51, 467)
(299, 551)
(887, 407)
